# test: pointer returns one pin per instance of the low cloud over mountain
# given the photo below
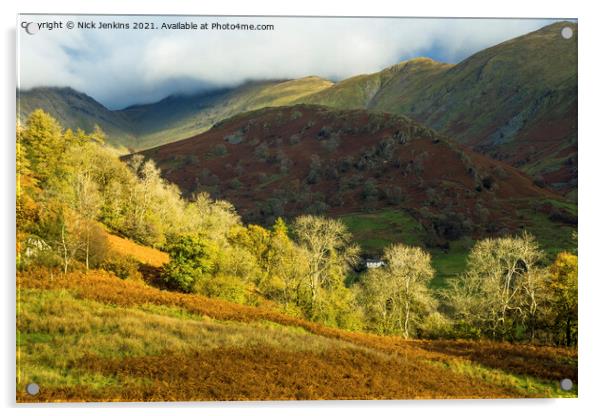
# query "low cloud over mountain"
(121, 67)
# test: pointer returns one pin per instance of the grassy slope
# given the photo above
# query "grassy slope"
(365, 91)
(376, 230)
(94, 338)
(143, 254)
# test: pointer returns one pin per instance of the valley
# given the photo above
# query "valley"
(409, 233)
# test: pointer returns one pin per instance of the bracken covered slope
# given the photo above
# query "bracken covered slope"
(94, 337)
(286, 161)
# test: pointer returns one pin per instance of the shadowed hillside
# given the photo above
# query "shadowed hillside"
(311, 159)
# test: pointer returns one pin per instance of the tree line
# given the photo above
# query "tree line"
(72, 189)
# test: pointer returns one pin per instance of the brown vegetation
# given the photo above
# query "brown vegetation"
(402, 369)
(548, 363)
(271, 374)
(392, 151)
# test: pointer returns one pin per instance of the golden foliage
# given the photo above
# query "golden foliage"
(144, 254)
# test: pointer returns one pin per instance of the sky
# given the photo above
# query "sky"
(122, 67)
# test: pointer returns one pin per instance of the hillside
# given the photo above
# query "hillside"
(181, 116)
(129, 291)
(366, 91)
(310, 159)
(74, 109)
(516, 101)
(173, 118)
(94, 337)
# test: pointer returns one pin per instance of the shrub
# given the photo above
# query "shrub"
(315, 166)
(450, 226)
(191, 257)
(370, 191)
(317, 208)
(294, 139)
(273, 207)
(235, 138)
(488, 182)
(345, 164)
(219, 150)
(239, 169)
(331, 144)
(434, 326)
(124, 267)
(235, 184)
(324, 133)
(208, 178)
(482, 213)
(561, 215)
(500, 172)
(225, 287)
(394, 195)
(352, 182)
(262, 152)
(262, 177)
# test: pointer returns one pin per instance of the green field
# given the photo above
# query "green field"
(376, 230)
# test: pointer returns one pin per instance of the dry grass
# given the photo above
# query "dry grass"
(143, 254)
(95, 337)
(103, 287)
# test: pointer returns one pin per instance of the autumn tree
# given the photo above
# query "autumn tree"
(43, 144)
(281, 264)
(26, 207)
(289, 264)
(84, 196)
(563, 285)
(396, 297)
(330, 254)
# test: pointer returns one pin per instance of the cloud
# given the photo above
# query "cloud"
(124, 67)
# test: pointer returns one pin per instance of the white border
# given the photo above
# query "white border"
(590, 183)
